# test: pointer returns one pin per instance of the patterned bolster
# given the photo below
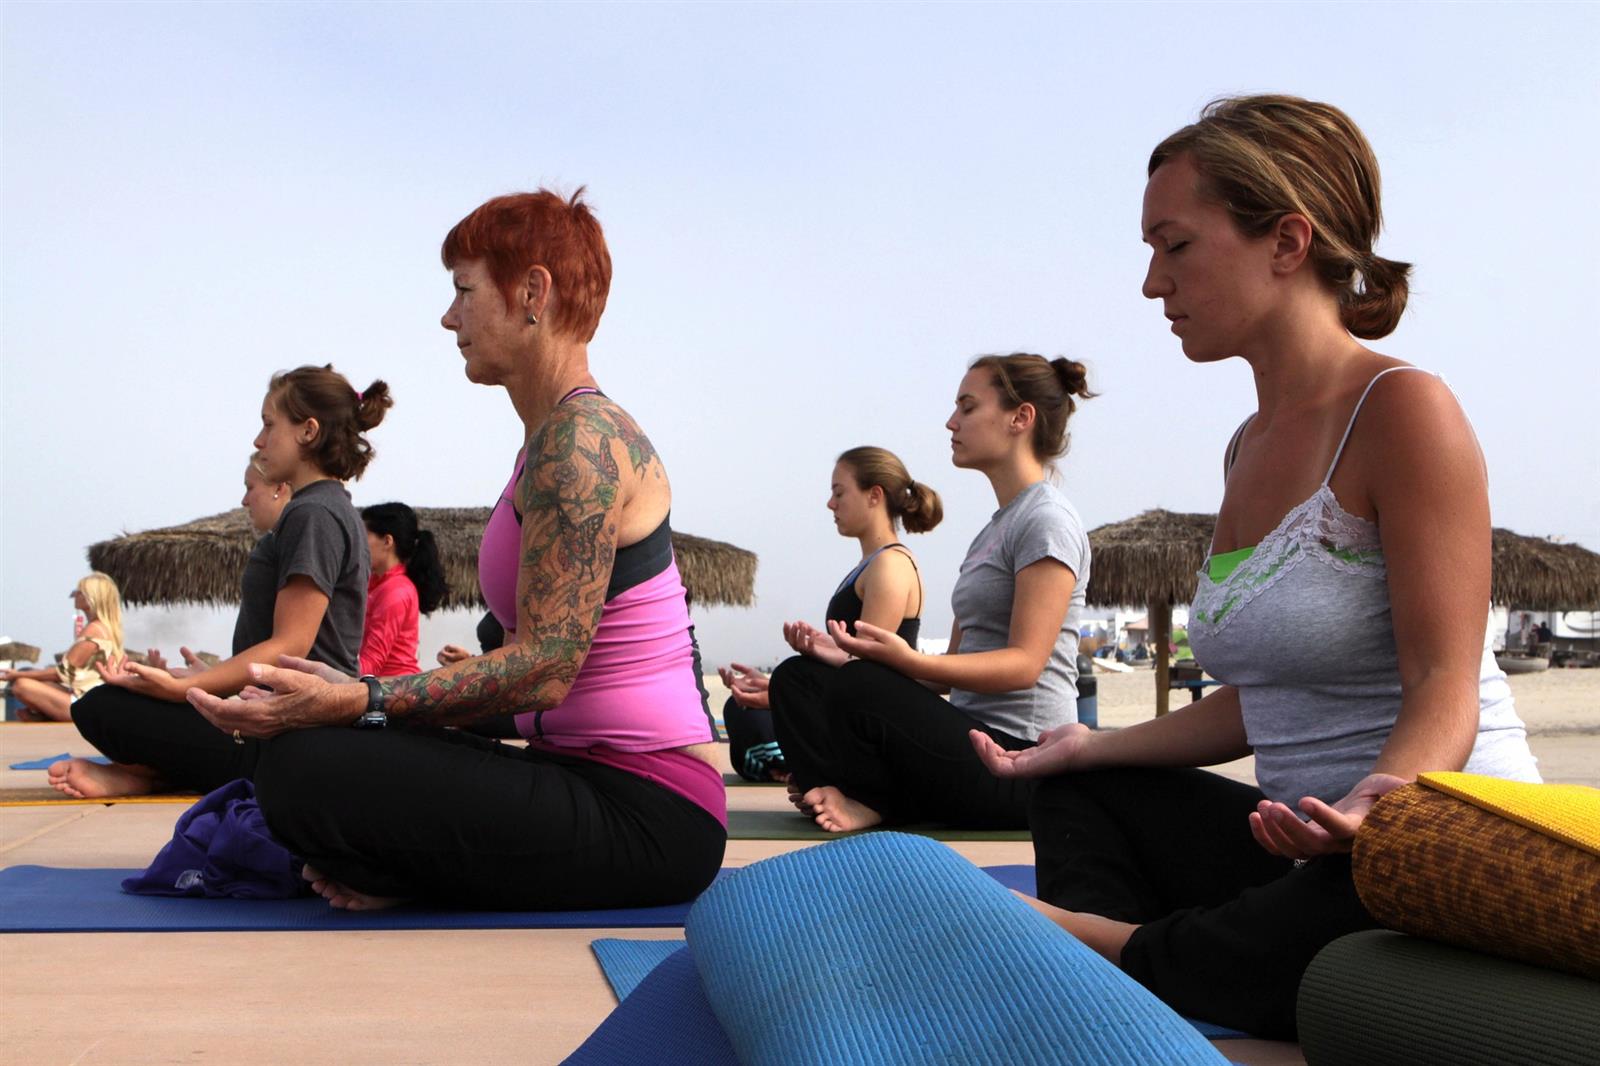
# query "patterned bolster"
(1433, 860)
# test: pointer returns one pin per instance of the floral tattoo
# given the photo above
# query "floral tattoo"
(568, 497)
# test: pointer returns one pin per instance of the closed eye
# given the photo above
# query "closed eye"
(1173, 249)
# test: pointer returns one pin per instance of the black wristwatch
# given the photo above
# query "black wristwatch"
(374, 716)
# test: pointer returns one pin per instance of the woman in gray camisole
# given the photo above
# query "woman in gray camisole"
(1346, 616)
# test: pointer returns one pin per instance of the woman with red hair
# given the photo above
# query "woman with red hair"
(615, 801)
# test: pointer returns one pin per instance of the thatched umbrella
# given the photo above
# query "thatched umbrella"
(200, 561)
(1153, 559)
(1541, 575)
(14, 651)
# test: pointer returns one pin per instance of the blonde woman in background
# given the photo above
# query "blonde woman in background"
(47, 693)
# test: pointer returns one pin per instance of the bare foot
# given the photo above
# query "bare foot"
(838, 813)
(798, 798)
(82, 779)
(346, 899)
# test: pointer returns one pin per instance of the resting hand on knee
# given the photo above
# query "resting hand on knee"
(1331, 830)
(1058, 751)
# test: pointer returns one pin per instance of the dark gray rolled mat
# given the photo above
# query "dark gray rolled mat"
(1383, 997)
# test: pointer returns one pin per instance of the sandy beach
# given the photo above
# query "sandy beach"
(1561, 709)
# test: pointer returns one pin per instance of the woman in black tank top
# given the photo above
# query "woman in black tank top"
(872, 497)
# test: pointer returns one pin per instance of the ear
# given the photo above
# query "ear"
(1023, 417)
(1291, 243)
(875, 495)
(310, 429)
(537, 289)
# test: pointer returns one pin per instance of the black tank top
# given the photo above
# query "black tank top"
(846, 605)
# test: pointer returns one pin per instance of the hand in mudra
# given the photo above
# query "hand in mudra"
(1332, 828)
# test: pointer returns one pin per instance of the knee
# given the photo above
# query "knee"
(89, 713)
(295, 773)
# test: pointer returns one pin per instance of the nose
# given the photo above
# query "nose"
(449, 320)
(950, 423)
(1156, 282)
(260, 441)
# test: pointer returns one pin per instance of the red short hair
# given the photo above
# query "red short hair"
(514, 233)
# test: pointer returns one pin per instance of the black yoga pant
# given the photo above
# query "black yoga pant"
(440, 814)
(888, 742)
(448, 816)
(174, 739)
(752, 745)
(1226, 929)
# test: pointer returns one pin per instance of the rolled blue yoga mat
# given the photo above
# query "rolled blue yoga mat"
(889, 948)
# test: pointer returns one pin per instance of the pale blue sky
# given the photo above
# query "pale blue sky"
(818, 215)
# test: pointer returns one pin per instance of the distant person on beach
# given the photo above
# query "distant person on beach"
(616, 800)
(302, 595)
(47, 693)
(871, 496)
(263, 502)
(1344, 605)
(885, 748)
(407, 582)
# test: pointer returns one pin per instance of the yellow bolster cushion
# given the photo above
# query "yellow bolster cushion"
(1431, 863)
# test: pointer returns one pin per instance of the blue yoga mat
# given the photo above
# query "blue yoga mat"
(46, 762)
(627, 963)
(889, 949)
(43, 899)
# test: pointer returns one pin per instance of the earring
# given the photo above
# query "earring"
(275, 495)
(532, 321)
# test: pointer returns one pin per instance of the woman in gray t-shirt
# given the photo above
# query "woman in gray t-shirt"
(887, 748)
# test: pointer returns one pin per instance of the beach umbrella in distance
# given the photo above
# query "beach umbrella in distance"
(1154, 559)
(1151, 559)
(201, 561)
(1537, 574)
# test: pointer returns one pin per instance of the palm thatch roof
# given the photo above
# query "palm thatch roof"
(201, 561)
(1153, 558)
(14, 651)
(1541, 575)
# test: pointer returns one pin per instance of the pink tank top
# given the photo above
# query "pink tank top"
(637, 694)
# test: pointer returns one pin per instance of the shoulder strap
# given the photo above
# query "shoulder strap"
(1232, 452)
(1339, 451)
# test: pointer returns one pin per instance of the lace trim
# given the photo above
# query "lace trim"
(1317, 529)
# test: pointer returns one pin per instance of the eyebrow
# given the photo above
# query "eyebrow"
(966, 396)
(1153, 230)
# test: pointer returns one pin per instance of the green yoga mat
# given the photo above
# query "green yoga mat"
(735, 781)
(1387, 997)
(792, 825)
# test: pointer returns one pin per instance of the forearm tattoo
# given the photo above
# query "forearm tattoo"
(568, 497)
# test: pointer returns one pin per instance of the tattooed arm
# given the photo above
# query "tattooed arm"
(570, 498)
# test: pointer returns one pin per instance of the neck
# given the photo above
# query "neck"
(547, 374)
(306, 475)
(879, 536)
(1017, 474)
(382, 566)
(1298, 361)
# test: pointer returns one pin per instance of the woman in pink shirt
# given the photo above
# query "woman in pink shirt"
(407, 581)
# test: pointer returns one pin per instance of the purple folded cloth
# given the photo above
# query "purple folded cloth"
(222, 847)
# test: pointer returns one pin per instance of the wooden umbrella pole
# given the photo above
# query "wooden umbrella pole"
(1160, 617)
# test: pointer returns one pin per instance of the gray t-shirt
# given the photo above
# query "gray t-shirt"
(1038, 524)
(320, 535)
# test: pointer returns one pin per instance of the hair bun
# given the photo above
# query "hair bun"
(371, 404)
(1074, 377)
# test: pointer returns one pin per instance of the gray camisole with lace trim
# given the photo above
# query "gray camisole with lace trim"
(1302, 629)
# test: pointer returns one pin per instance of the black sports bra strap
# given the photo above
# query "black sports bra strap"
(1232, 453)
